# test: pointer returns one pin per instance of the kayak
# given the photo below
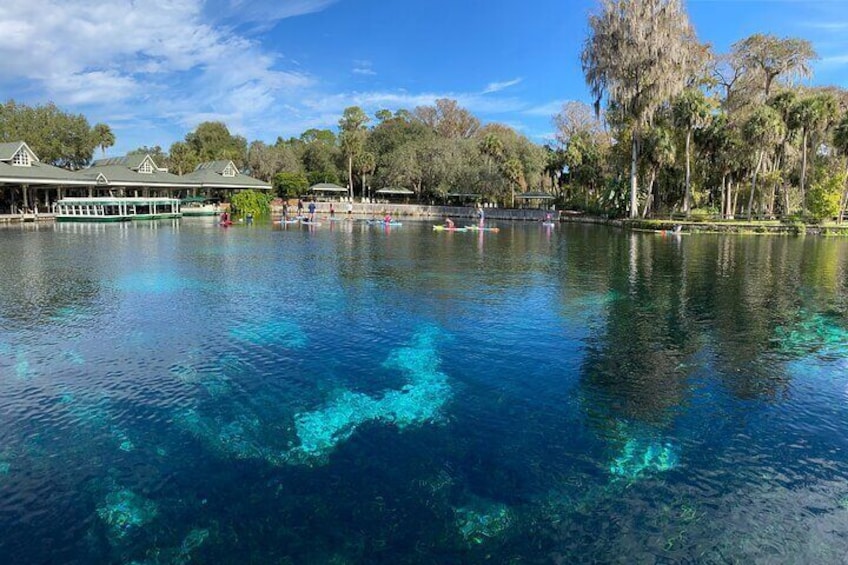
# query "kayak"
(548, 224)
(383, 223)
(226, 224)
(445, 228)
(287, 222)
(478, 228)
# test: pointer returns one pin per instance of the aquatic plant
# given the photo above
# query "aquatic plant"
(817, 333)
(5, 468)
(124, 512)
(482, 520)
(236, 438)
(639, 457)
(417, 402)
(286, 333)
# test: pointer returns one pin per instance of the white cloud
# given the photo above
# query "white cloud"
(498, 86)
(154, 69)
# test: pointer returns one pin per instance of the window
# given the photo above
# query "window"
(229, 171)
(21, 158)
(146, 167)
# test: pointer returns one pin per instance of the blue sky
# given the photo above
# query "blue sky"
(154, 69)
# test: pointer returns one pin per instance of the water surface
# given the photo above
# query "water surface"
(174, 392)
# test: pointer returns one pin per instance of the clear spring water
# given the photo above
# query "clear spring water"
(175, 392)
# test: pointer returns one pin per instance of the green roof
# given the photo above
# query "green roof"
(8, 150)
(327, 187)
(34, 173)
(122, 175)
(394, 190)
(132, 161)
(210, 175)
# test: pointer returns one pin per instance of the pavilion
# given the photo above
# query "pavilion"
(25, 180)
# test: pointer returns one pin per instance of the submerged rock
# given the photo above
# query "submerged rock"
(483, 520)
(274, 332)
(419, 401)
(640, 457)
(124, 512)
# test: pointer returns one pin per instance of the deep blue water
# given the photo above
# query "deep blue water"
(175, 392)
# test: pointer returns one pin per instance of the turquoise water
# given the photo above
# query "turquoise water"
(175, 392)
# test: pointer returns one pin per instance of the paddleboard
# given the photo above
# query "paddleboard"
(445, 228)
(478, 228)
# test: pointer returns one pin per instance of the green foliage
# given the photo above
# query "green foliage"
(289, 185)
(212, 141)
(825, 194)
(251, 202)
(56, 137)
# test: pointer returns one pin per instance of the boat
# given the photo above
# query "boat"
(478, 228)
(548, 224)
(445, 228)
(200, 206)
(116, 209)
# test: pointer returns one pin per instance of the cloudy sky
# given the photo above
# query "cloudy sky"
(154, 69)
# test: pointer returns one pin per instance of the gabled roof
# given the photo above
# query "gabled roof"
(8, 150)
(211, 175)
(124, 171)
(121, 175)
(34, 173)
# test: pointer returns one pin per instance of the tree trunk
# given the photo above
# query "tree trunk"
(804, 175)
(350, 175)
(634, 202)
(844, 199)
(688, 194)
(723, 206)
(650, 194)
(735, 203)
(754, 184)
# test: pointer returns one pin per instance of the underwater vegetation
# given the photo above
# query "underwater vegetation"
(5, 467)
(823, 334)
(417, 402)
(640, 457)
(125, 512)
(482, 520)
(281, 332)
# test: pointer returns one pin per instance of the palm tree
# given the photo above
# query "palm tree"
(840, 142)
(366, 162)
(103, 137)
(691, 111)
(763, 129)
(812, 115)
(659, 150)
(639, 54)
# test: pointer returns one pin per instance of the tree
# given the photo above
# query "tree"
(763, 129)
(448, 119)
(103, 137)
(352, 138)
(288, 184)
(212, 141)
(840, 142)
(691, 110)
(639, 54)
(181, 158)
(810, 114)
(251, 202)
(774, 58)
(658, 147)
(365, 164)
